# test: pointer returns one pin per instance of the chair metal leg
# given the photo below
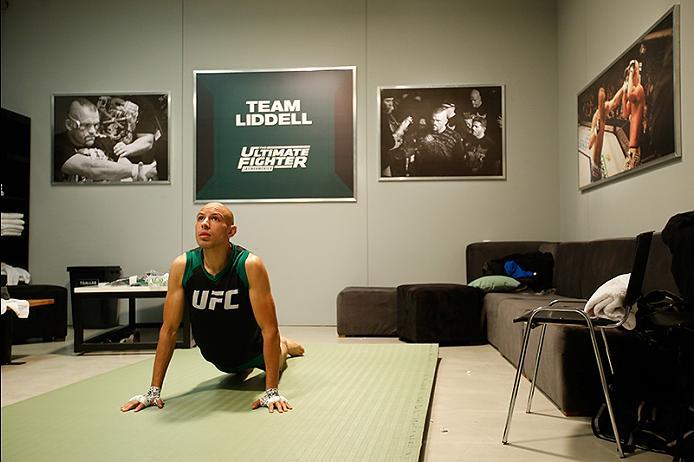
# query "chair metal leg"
(607, 351)
(537, 366)
(605, 390)
(516, 382)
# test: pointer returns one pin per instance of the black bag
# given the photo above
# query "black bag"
(678, 235)
(541, 263)
(654, 401)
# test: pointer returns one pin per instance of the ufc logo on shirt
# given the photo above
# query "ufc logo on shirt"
(206, 299)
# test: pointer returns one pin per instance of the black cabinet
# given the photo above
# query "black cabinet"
(16, 137)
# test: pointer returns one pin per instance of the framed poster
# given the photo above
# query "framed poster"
(629, 115)
(442, 132)
(283, 135)
(110, 138)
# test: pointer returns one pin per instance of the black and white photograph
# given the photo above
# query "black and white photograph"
(442, 132)
(110, 138)
(627, 116)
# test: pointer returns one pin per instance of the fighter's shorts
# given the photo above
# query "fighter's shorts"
(257, 362)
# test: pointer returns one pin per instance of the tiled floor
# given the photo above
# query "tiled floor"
(468, 411)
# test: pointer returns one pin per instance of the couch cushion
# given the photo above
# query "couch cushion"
(567, 375)
(567, 267)
(496, 283)
(499, 311)
(604, 260)
(582, 267)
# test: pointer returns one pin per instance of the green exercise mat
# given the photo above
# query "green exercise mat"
(351, 403)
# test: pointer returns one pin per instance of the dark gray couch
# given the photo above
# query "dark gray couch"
(567, 375)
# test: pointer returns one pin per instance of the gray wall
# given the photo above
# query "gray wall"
(590, 35)
(417, 232)
(395, 232)
(55, 47)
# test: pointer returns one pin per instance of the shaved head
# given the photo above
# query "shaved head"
(79, 105)
(476, 98)
(220, 208)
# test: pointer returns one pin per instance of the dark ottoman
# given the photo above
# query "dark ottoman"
(365, 311)
(440, 313)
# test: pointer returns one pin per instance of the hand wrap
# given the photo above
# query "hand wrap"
(150, 398)
(272, 395)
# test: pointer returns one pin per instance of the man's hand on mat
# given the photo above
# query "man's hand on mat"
(272, 400)
(139, 402)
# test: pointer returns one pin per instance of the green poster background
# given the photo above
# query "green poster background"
(326, 97)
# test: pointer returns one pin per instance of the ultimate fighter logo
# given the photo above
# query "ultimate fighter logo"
(268, 158)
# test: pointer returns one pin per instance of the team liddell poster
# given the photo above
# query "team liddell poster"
(280, 135)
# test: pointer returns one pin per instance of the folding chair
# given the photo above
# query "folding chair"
(558, 313)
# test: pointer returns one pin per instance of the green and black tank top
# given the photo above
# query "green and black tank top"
(221, 315)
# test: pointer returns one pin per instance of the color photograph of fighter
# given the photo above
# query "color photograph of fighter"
(626, 116)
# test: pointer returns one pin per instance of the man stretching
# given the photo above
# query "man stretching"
(226, 291)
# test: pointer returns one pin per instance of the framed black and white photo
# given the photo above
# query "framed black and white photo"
(452, 132)
(629, 115)
(110, 138)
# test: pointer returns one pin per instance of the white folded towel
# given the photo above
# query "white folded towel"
(11, 216)
(21, 307)
(608, 302)
(12, 221)
(14, 275)
(11, 230)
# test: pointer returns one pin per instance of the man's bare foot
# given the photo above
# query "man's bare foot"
(293, 348)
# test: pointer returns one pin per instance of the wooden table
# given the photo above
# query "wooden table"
(33, 302)
(110, 339)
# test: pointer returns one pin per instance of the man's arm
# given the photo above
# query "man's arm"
(264, 311)
(612, 104)
(399, 134)
(173, 314)
(593, 131)
(98, 169)
(142, 144)
(626, 109)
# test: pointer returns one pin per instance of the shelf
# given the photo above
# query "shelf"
(14, 198)
(14, 158)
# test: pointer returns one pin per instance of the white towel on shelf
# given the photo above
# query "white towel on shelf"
(12, 221)
(21, 307)
(608, 302)
(11, 216)
(14, 275)
(11, 230)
